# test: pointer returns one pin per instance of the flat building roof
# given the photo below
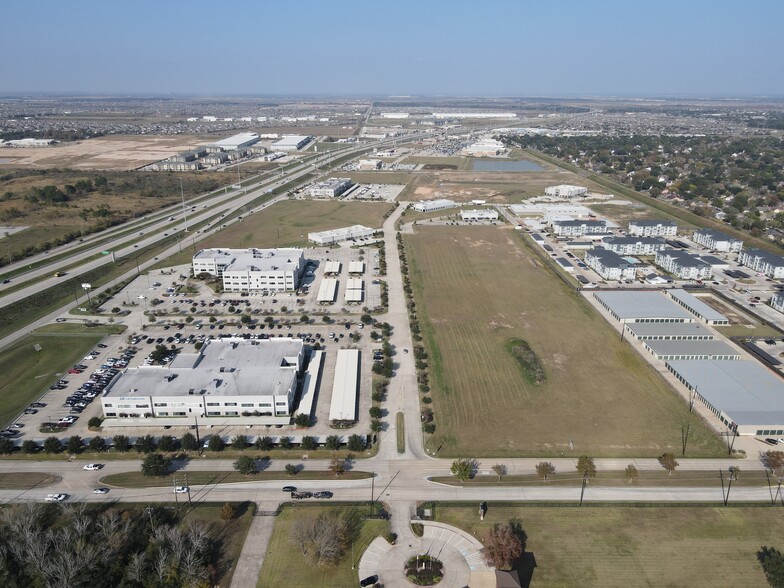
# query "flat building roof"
(642, 330)
(343, 405)
(712, 348)
(697, 306)
(630, 305)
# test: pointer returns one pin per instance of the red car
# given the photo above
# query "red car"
(74, 371)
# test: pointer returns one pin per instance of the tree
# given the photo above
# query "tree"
(29, 446)
(52, 445)
(366, 318)
(188, 442)
(291, 469)
(146, 444)
(326, 319)
(631, 472)
(94, 422)
(302, 420)
(215, 444)
(337, 466)
(308, 443)
(462, 469)
(245, 319)
(240, 442)
(167, 443)
(246, 465)
(159, 353)
(375, 412)
(586, 466)
(121, 443)
(6, 446)
(264, 443)
(155, 464)
(227, 512)
(323, 540)
(304, 318)
(74, 445)
(502, 547)
(774, 463)
(286, 443)
(772, 562)
(356, 443)
(668, 462)
(499, 469)
(545, 469)
(332, 442)
(376, 425)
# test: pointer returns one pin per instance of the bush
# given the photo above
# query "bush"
(291, 469)
(94, 422)
(418, 529)
(426, 400)
(246, 465)
(228, 512)
(302, 420)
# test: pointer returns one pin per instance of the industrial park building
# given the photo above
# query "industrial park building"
(669, 331)
(431, 205)
(609, 264)
(237, 141)
(479, 215)
(330, 188)
(342, 234)
(678, 350)
(652, 228)
(226, 378)
(248, 270)
(634, 245)
(717, 241)
(343, 404)
(777, 301)
(697, 307)
(369, 164)
(683, 265)
(642, 307)
(291, 142)
(747, 397)
(579, 227)
(770, 264)
(565, 191)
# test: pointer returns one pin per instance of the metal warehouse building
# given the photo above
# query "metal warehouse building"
(744, 395)
(342, 234)
(431, 205)
(697, 307)
(669, 331)
(642, 307)
(343, 405)
(691, 350)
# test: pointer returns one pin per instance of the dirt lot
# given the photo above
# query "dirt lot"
(117, 152)
(476, 288)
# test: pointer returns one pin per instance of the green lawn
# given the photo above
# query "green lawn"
(27, 480)
(139, 480)
(628, 546)
(476, 288)
(285, 566)
(27, 373)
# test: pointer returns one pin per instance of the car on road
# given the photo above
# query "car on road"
(101, 491)
(322, 494)
(289, 488)
(369, 581)
(55, 497)
(92, 467)
(181, 489)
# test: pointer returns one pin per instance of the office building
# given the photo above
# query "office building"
(248, 270)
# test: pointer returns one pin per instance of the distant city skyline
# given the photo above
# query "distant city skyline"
(567, 49)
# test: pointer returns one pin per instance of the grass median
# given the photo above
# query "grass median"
(139, 480)
(27, 480)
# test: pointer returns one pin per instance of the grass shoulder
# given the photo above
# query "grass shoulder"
(202, 478)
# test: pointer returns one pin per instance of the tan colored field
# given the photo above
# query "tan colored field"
(476, 288)
(103, 153)
(605, 547)
(623, 213)
(287, 223)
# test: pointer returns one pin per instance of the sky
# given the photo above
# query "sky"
(373, 48)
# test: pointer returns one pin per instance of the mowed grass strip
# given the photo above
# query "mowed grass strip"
(27, 373)
(287, 223)
(139, 480)
(658, 546)
(284, 564)
(477, 287)
(27, 480)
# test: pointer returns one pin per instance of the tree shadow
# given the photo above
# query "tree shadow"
(525, 564)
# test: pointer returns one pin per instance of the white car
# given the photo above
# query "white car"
(88, 357)
(55, 497)
(92, 467)
(181, 489)
(101, 491)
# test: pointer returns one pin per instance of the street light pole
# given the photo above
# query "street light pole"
(184, 210)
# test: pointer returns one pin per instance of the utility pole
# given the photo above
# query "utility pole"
(685, 437)
(582, 491)
(174, 489)
(372, 490)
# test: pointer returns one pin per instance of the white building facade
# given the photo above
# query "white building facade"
(565, 191)
(652, 228)
(683, 265)
(249, 270)
(579, 227)
(634, 245)
(770, 264)
(717, 241)
(431, 205)
(609, 265)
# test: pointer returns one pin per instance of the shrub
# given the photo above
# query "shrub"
(302, 420)
(94, 422)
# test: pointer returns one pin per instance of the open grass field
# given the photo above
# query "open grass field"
(26, 373)
(139, 480)
(623, 213)
(478, 287)
(27, 480)
(285, 566)
(627, 546)
(287, 223)
(459, 163)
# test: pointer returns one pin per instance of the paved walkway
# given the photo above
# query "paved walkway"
(248, 567)
(457, 550)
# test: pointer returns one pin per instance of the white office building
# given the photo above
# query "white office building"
(237, 141)
(634, 245)
(432, 205)
(609, 265)
(717, 241)
(248, 270)
(652, 228)
(342, 234)
(369, 164)
(565, 191)
(683, 265)
(331, 188)
(777, 301)
(227, 378)
(569, 228)
(764, 262)
(479, 215)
